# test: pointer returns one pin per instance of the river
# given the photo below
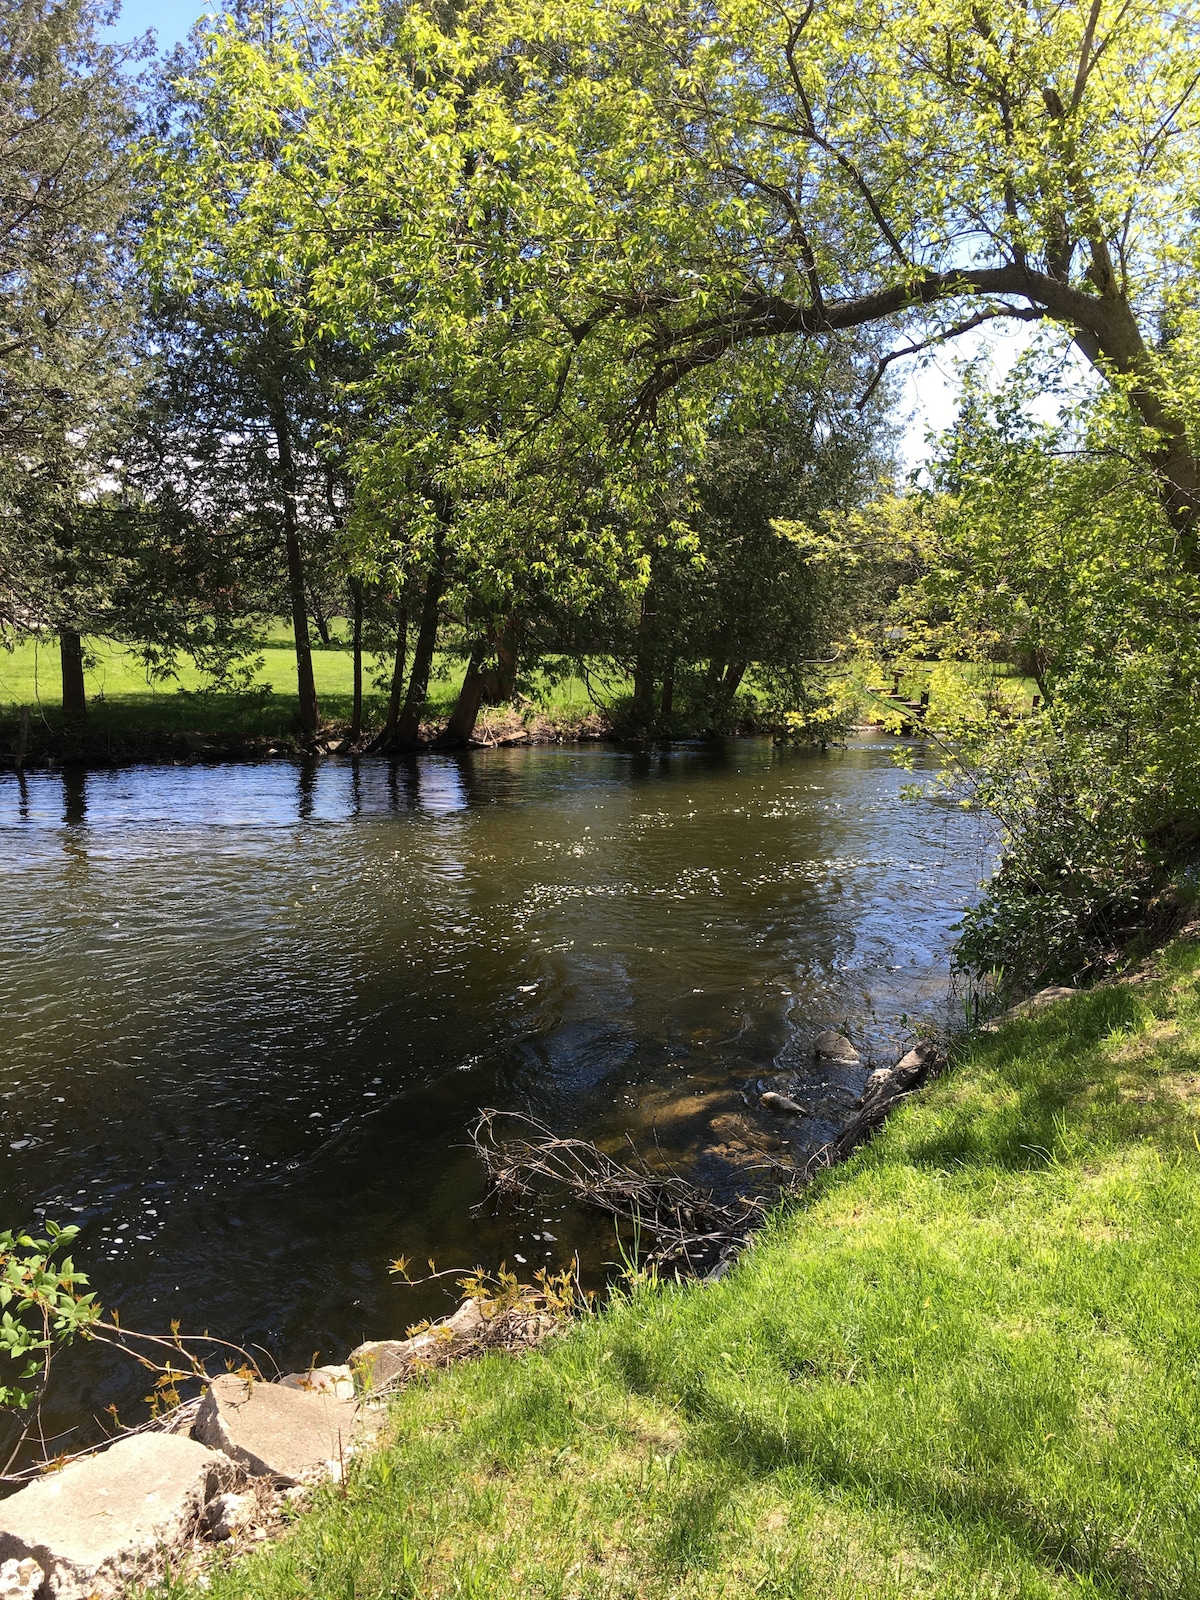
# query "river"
(247, 1012)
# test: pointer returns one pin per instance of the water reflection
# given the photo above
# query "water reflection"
(248, 1012)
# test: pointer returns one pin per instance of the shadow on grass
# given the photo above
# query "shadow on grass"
(1033, 1091)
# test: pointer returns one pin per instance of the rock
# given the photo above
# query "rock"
(782, 1103)
(834, 1046)
(379, 1361)
(877, 1081)
(885, 1082)
(20, 1580)
(92, 1525)
(1027, 1008)
(336, 747)
(337, 1381)
(276, 1432)
(228, 1513)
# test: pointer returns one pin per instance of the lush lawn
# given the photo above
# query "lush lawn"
(121, 700)
(969, 1365)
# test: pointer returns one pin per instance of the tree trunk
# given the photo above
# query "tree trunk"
(22, 740)
(732, 682)
(322, 622)
(644, 660)
(668, 693)
(396, 695)
(498, 684)
(408, 724)
(310, 715)
(356, 592)
(74, 692)
(461, 725)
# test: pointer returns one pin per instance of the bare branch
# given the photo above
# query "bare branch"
(1020, 313)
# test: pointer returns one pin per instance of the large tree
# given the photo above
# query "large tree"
(67, 315)
(747, 171)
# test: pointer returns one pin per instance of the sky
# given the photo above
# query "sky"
(928, 392)
(170, 19)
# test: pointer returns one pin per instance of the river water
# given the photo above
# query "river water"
(247, 1012)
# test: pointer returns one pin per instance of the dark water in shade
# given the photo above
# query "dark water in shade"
(247, 1012)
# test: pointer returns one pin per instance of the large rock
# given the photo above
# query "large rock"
(1031, 1006)
(92, 1525)
(834, 1046)
(277, 1432)
(887, 1082)
(380, 1362)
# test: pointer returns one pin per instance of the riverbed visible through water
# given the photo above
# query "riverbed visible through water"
(248, 1012)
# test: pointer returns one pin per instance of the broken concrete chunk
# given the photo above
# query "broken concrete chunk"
(21, 1580)
(337, 1381)
(276, 1432)
(91, 1525)
(917, 1059)
(834, 1046)
(379, 1362)
(228, 1513)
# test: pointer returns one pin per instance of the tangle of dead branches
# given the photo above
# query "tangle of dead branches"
(688, 1227)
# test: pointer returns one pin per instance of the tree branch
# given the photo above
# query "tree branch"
(1020, 313)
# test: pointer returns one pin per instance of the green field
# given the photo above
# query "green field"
(121, 699)
(966, 1365)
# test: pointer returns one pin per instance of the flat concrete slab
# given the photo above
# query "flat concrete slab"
(92, 1525)
(291, 1435)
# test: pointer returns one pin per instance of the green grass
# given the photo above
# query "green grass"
(121, 700)
(967, 1365)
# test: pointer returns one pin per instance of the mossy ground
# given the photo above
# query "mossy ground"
(965, 1364)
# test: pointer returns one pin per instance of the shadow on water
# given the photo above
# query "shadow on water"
(248, 1012)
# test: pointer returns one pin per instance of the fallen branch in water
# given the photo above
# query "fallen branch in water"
(689, 1226)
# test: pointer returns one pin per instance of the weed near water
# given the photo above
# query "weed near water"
(965, 1364)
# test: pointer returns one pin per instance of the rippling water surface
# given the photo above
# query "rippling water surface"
(247, 1012)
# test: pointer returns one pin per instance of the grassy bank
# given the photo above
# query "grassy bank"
(967, 1365)
(123, 706)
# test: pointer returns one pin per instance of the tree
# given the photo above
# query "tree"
(67, 313)
(765, 172)
(1047, 546)
(340, 178)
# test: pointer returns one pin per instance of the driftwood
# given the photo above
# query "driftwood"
(688, 1226)
(885, 1087)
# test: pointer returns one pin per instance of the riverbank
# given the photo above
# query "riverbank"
(964, 1365)
(131, 720)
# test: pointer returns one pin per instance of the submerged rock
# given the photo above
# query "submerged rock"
(782, 1103)
(93, 1525)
